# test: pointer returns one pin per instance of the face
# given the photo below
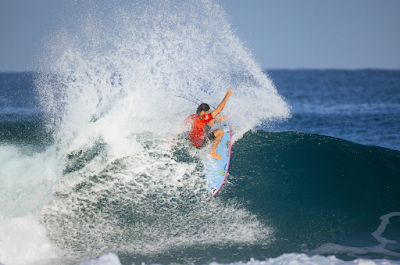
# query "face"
(204, 112)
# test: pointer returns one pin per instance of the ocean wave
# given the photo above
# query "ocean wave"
(286, 192)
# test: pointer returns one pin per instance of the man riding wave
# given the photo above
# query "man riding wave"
(199, 126)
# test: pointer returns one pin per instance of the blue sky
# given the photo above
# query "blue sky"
(319, 33)
(283, 34)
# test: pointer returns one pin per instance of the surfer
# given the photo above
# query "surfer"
(200, 125)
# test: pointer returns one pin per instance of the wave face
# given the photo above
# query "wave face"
(314, 190)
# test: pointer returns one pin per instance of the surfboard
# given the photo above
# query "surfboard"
(217, 170)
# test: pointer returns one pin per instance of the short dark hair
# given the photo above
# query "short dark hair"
(201, 107)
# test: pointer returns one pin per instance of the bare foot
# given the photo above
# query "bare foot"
(215, 155)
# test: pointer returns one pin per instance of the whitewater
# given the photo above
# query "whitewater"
(91, 174)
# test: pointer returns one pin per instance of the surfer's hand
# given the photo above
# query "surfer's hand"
(229, 92)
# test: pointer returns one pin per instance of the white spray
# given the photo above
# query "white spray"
(114, 94)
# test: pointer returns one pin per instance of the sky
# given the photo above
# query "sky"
(281, 34)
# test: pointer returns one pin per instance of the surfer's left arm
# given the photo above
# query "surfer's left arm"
(217, 119)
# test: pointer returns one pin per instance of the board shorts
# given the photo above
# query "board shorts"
(208, 139)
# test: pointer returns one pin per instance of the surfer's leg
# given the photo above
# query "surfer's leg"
(218, 136)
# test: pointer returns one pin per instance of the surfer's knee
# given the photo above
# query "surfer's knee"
(218, 133)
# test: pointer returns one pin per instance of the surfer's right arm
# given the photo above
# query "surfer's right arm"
(221, 105)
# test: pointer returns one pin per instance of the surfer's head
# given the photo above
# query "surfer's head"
(202, 107)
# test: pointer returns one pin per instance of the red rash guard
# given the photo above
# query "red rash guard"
(196, 124)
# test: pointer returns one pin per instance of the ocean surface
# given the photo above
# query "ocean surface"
(95, 167)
